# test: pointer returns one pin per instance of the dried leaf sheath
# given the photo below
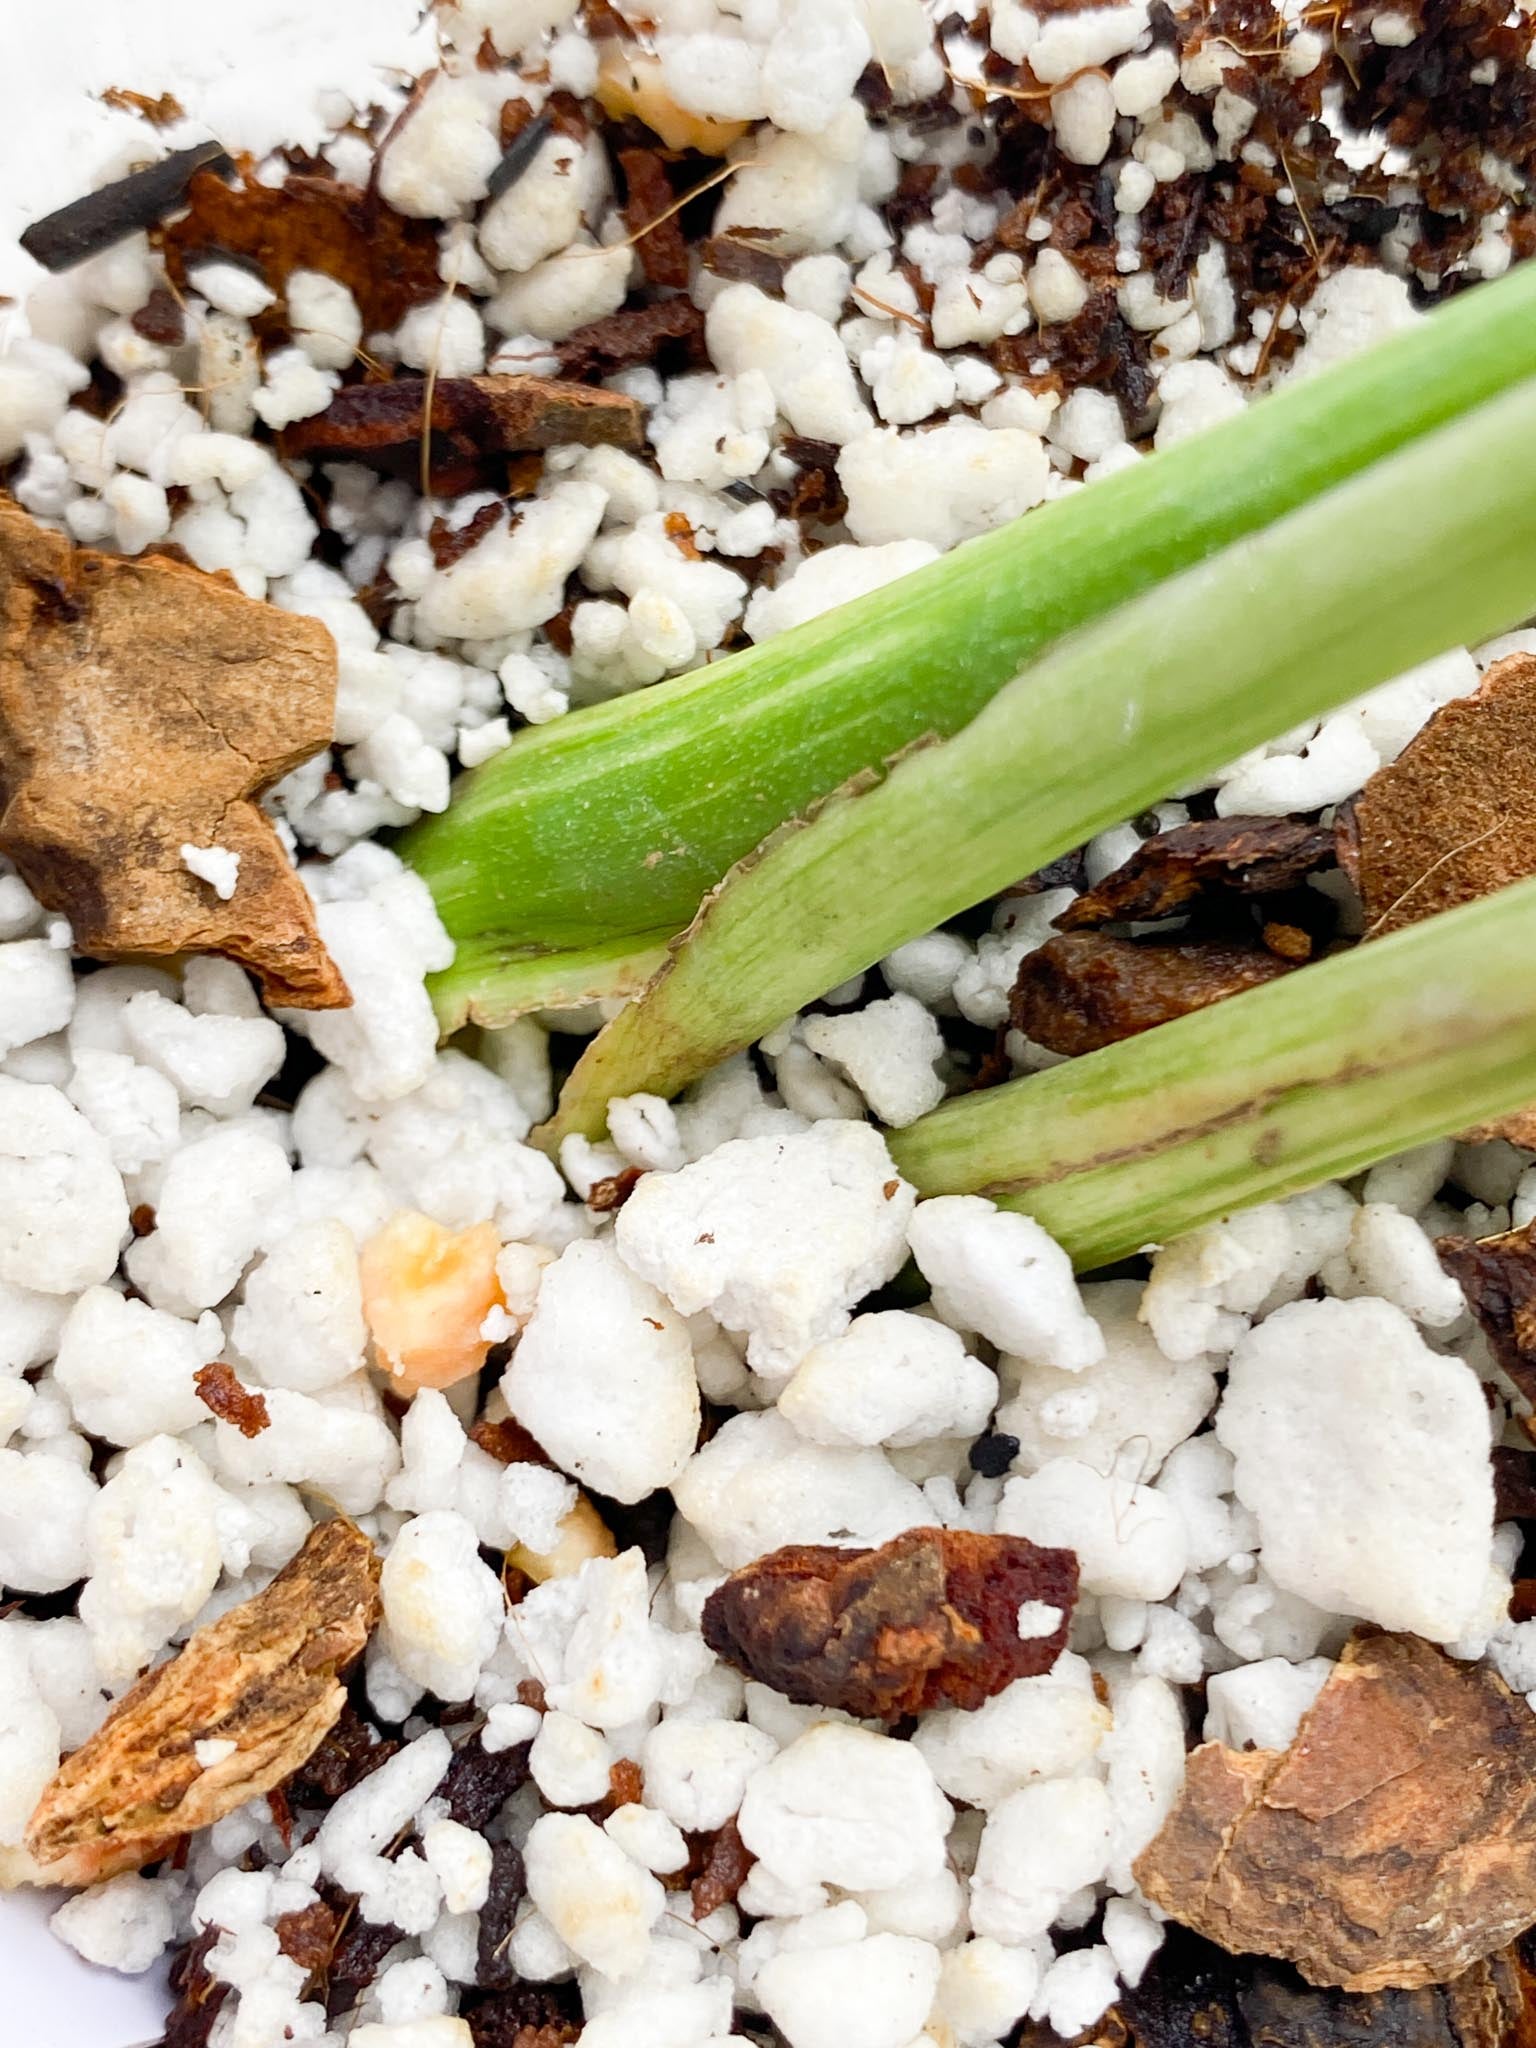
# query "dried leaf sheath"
(264, 1677)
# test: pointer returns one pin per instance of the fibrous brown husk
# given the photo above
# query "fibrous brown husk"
(1085, 990)
(263, 1676)
(1452, 819)
(143, 706)
(928, 1620)
(1195, 1995)
(1454, 816)
(1498, 1277)
(387, 261)
(1240, 856)
(1392, 1845)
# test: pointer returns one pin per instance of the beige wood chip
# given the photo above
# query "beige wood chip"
(263, 1677)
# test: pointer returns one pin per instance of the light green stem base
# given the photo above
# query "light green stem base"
(1409, 1038)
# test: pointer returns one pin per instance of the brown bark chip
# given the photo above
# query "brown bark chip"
(1083, 990)
(671, 329)
(1243, 856)
(387, 261)
(1394, 1842)
(143, 706)
(263, 1676)
(470, 416)
(1498, 1277)
(1454, 817)
(928, 1620)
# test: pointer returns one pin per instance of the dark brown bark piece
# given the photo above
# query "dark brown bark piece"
(724, 1866)
(473, 421)
(1393, 1845)
(1244, 856)
(1498, 1277)
(928, 1620)
(659, 240)
(388, 262)
(348, 1752)
(744, 261)
(479, 1782)
(1084, 990)
(223, 1394)
(87, 226)
(198, 1994)
(160, 319)
(1195, 1995)
(498, 1916)
(671, 332)
(524, 2016)
(145, 706)
(1514, 1484)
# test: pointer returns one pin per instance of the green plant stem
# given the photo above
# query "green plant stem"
(589, 838)
(1410, 1038)
(1432, 546)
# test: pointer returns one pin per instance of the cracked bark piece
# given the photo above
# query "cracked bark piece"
(1498, 1277)
(473, 420)
(1392, 1846)
(1195, 1995)
(1085, 990)
(263, 1677)
(143, 706)
(1240, 856)
(930, 1619)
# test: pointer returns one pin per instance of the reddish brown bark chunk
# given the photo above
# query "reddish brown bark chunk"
(386, 261)
(1243, 856)
(225, 1395)
(1394, 1842)
(930, 1619)
(143, 707)
(1498, 1277)
(1085, 990)
(471, 417)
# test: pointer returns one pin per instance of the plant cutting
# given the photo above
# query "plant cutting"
(566, 864)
